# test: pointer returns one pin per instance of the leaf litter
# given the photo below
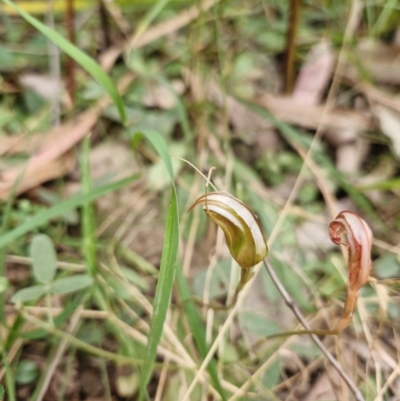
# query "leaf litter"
(360, 137)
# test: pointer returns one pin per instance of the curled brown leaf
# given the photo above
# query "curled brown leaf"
(359, 242)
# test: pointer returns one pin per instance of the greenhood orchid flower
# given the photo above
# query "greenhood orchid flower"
(243, 233)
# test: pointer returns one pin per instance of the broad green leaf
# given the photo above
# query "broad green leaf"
(29, 294)
(44, 258)
(167, 267)
(271, 376)
(71, 284)
(258, 324)
(78, 55)
(45, 216)
(198, 330)
(27, 371)
(387, 266)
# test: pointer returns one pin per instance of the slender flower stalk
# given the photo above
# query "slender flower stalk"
(243, 233)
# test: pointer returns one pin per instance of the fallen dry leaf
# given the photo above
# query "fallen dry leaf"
(34, 175)
(20, 143)
(375, 95)
(350, 155)
(47, 87)
(342, 125)
(160, 96)
(161, 30)
(326, 387)
(315, 74)
(389, 121)
(307, 116)
(256, 129)
(48, 162)
(375, 59)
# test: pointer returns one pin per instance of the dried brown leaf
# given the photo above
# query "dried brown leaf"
(389, 121)
(109, 57)
(307, 116)
(48, 163)
(377, 60)
(315, 74)
(35, 175)
(20, 144)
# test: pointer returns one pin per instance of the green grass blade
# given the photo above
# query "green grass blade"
(161, 147)
(390, 184)
(45, 216)
(163, 292)
(88, 221)
(78, 55)
(9, 381)
(5, 221)
(151, 15)
(167, 268)
(197, 328)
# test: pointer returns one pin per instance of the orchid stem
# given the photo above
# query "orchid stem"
(292, 305)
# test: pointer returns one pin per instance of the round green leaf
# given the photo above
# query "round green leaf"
(27, 371)
(29, 294)
(44, 258)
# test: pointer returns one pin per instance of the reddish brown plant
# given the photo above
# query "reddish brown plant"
(359, 243)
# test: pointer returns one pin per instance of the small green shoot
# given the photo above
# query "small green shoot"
(44, 265)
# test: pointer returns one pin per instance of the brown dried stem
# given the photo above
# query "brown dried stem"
(292, 305)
